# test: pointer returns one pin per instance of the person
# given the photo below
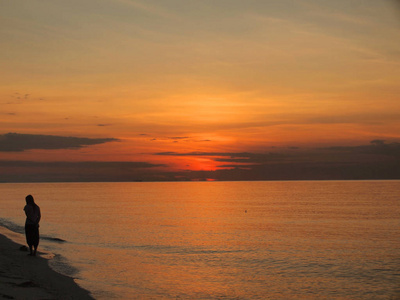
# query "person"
(33, 216)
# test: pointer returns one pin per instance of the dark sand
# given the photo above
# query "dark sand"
(26, 277)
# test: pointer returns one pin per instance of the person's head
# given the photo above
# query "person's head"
(29, 200)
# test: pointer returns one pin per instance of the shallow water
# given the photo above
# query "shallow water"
(220, 240)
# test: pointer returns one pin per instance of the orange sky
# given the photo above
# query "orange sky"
(197, 76)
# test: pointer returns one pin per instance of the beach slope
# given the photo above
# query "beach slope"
(27, 277)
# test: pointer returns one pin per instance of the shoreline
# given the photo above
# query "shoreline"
(26, 277)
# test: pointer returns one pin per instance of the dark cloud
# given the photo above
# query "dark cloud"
(376, 147)
(174, 138)
(232, 154)
(178, 137)
(103, 125)
(301, 171)
(378, 160)
(15, 142)
(233, 157)
(82, 164)
(30, 171)
(20, 96)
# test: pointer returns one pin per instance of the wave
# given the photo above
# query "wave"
(168, 249)
(61, 265)
(21, 230)
(52, 239)
(12, 226)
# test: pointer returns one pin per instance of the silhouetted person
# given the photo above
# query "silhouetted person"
(33, 216)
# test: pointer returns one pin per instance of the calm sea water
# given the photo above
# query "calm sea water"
(220, 240)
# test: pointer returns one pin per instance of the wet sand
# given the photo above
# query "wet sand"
(27, 277)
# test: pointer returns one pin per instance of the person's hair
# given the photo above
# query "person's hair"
(30, 201)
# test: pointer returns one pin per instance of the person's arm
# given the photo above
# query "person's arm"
(39, 216)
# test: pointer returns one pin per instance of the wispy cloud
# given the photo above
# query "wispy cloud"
(178, 137)
(20, 96)
(147, 8)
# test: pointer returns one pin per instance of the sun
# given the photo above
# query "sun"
(203, 164)
(190, 163)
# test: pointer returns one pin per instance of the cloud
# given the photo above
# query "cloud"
(377, 151)
(81, 164)
(19, 96)
(15, 142)
(301, 171)
(148, 8)
(174, 138)
(93, 171)
(378, 160)
(178, 137)
(365, 118)
(233, 154)
(232, 157)
(377, 147)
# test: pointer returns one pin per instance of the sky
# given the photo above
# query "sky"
(121, 90)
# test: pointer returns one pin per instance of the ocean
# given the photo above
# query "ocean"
(218, 240)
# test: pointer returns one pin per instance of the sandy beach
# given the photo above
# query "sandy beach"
(26, 277)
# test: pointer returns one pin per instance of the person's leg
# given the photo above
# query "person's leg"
(36, 240)
(28, 235)
(32, 238)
